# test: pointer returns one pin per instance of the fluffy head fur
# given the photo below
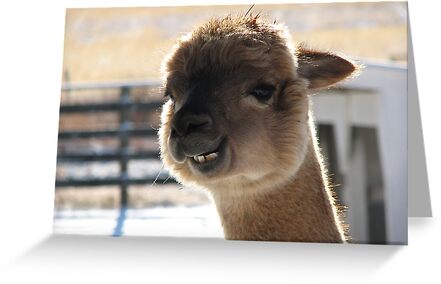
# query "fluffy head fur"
(238, 88)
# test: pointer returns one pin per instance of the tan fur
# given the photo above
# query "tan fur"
(271, 184)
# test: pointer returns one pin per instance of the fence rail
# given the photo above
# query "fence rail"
(113, 106)
(121, 181)
(126, 129)
(149, 132)
(92, 157)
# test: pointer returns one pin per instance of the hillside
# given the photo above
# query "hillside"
(130, 43)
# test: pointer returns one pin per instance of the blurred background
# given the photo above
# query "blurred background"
(109, 177)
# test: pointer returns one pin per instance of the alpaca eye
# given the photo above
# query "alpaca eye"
(263, 92)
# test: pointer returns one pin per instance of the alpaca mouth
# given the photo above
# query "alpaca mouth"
(204, 158)
(210, 163)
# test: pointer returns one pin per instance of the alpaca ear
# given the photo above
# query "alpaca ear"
(322, 69)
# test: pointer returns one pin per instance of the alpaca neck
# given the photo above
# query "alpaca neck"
(300, 210)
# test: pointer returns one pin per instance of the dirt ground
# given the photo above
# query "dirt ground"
(139, 197)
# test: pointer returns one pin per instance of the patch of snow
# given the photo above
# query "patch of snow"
(180, 221)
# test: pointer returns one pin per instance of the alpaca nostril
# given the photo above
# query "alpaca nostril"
(189, 123)
(173, 132)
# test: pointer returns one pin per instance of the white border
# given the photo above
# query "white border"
(31, 35)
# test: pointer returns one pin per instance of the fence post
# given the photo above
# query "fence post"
(124, 143)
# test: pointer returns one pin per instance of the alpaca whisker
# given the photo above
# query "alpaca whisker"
(157, 176)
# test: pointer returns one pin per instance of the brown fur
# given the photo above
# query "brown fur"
(271, 184)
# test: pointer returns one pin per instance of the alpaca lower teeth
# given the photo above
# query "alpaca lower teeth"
(203, 159)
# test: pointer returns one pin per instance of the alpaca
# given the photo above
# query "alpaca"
(237, 123)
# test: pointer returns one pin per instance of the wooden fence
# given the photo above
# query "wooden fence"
(126, 106)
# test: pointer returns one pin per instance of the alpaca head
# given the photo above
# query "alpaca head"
(237, 114)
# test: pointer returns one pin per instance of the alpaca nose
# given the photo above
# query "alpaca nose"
(191, 122)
